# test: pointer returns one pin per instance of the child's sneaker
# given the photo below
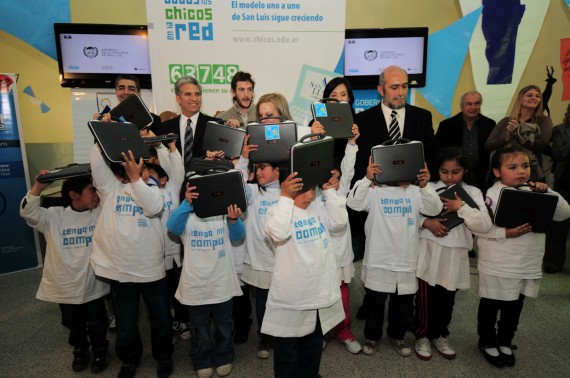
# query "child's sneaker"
(423, 349)
(401, 347)
(369, 347)
(353, 346)
(205, 373)
(263, 350)
(100, 359)
(224, 370)
(184, 331)
(444, 349)
(80, 359)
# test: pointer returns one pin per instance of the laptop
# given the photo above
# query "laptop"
(313, 160)
(133, 110)
(398, 162)
(454, 220)
(516, 207)
(273, 141)
(217, 192)
(336, 118)
(160, 138)
(114, 138)
(70, 171)
(218, 137)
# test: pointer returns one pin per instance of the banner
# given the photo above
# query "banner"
(19, 247)
(565, 65)
(291, 47)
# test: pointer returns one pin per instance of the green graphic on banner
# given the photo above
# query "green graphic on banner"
(220, 74)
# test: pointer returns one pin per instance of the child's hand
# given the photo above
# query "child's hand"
(132, 168)
(234, 212)
(104, 118)
(356, 134)
(214, 155)
(333, 182)
(172, 143)
(372, 169)
(518, 231)
(424, 176)
(540, 187)
(317, 128)
(435, 225)
(450, 206)
(190, 194)
(247, 148)
(38, 186)
(291, 186)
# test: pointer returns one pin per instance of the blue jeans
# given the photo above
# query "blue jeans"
(207, 350)
(126, 298)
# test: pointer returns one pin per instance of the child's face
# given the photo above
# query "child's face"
(265, 173)
(145, 174)
(514, 169)
(303, 200)
(88, 199)
(451, 173)
(152, 173)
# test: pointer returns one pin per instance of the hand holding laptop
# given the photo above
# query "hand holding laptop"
(247, 148)
(372, 169)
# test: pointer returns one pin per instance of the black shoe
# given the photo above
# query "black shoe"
(508, 359)
(164, 369)
(80, 359)
(100, 360)
(496, 361)
(127, 370)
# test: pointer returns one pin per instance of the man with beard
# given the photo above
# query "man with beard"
(243, 111)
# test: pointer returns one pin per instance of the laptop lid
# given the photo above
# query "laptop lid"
(133, 110)
(313, 160)
(218, 137)
(273, 141)
(516, 207)
(115, 137)
(62, 173)
(160, 138)
(454, 220)
(217, 192)
(336, 118)
(398, 162)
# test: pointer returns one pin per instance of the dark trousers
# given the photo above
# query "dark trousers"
(87, 323)
(242, 311)
(434, 310)
(260, 302)
(400, 309)
(126, 298)
(507, 325)
(207, 350)
(180, 311)
(555, 249)
(298, 357)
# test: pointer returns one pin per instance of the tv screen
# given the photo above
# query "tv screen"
(92, 55)
(367, 52)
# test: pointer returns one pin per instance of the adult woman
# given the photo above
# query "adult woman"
(525, 126)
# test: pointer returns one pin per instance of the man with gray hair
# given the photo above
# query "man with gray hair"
(191, 123)
(469, 130)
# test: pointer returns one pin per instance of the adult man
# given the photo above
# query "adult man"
(243, 111)
(469, 130)
(191, 123)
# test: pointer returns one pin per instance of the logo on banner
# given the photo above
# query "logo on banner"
(90, 51)
(370, 55)
(205, 73)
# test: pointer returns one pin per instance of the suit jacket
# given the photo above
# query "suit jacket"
(374, 131)
(450, 133)
(173, 126)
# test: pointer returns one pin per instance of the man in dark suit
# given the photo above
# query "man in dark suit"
(189, 97)
(469, 130)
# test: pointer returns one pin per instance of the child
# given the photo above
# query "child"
(443, 261)
(391, 253)
(68, 278)
(304, 298)
(258, 266)
(128, 250)
(510, 261)
(208, 281)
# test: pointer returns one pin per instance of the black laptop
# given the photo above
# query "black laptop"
(516, 207)
(398, 162)
(452, 219)
(273, 141)
(218, 137)
(217, 192)
(160, 138)
(133, 110)
(70, 171)
(313, 160)
(115, 137)
(336, 118)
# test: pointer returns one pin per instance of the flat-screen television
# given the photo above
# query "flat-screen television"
(92, 55)
(367, 52)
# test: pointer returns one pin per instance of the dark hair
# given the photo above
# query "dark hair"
(128, 77)
(242, 76)
(457, 154)
(76, 185)
(498, 156)
(279, 166)
(332, 84)
(119, 171)
(157, 168)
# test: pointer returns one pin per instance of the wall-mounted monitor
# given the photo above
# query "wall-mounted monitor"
(92, 55)
(367, 52)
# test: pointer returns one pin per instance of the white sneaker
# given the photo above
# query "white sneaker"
(444, 349)
(369, 347)
(353, 346)
(423, 349)
(224, 370)
(401, 347)
(205, 373)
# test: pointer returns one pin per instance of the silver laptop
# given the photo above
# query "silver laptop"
(398, 162)
(273, 141)
(115, 137)
(218, 137)
(336, 118)
(313, 160)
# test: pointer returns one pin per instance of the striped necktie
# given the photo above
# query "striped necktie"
(188, 144)
(394, 129)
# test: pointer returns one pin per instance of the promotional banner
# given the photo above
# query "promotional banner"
(19, 247)
(291, 47)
